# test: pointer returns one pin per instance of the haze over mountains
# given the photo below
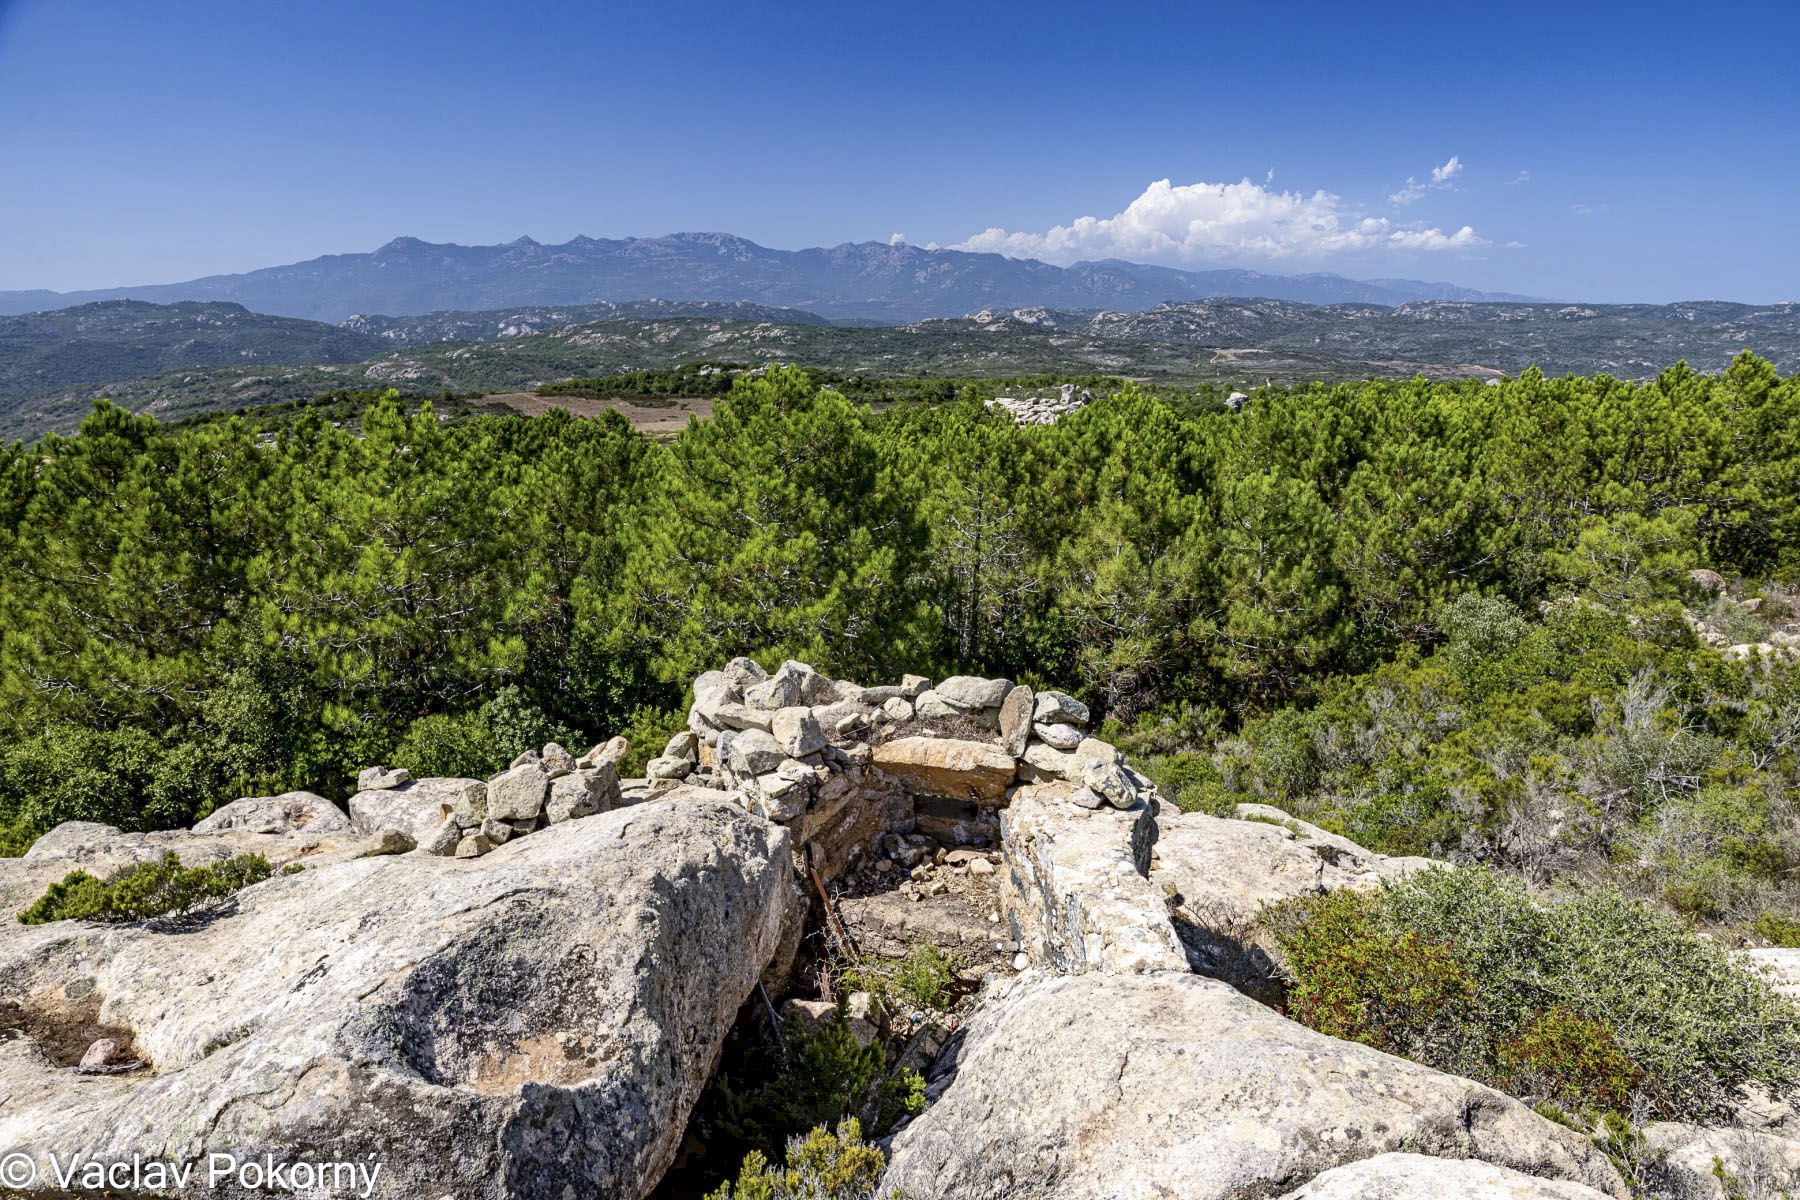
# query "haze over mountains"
(870, 281)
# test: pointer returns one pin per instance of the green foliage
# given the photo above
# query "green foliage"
(459, 745)
(1438, 617)
(1559, 1053)
(768, 1090)
(163, 888)
(925, 976)
(823, 1165)
(16, 838)
(1194, 783)
(1590, 1002)
(1357, 977)
(1777, 929)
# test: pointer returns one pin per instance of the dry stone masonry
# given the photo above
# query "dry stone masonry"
(1044, 410)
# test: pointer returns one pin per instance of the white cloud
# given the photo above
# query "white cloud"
(1521, 177)
(1406, 195)
(1589, 210)
(897, 239)
(1440, 178)
(1201, 222)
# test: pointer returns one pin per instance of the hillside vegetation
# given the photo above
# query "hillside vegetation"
(1444, 617)
(188, 359)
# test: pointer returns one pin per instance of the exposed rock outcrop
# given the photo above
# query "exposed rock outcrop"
(1220, 871)
(290, 812)
(1420, 1177)
(1159, 1085)
(535, 1023)
(1075, 885)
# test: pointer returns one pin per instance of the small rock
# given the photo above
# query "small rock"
(497, 831)
(683, 745)
(913, 686)
(898, 710)
(752, 753)
(743, 672)
(611, 751)
(583, 794)
(525, 756)
(1059, 708)
(1015, 720)
(518, 792)
(932, 706)
(473, 846)
(556, 759)
(442, 843)
(377, 779)
(1063, 737)
(1020, 962)
(969, 692)
(1712, 581)
(669, 768)
(1087, 797)
(797, 731)
(388, 841)
(101, 1053)
(981, 866)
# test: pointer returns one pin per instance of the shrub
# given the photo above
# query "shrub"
(459, 746)
(1287, 754)
(16, 838)
(1640, 994)
(925, 975)
(648, 731)
(1559, 1053)
(122, 777)
(770, 1089)
(1356, 977)
(1480, 631)
(821, 1166)
(1194, 783)
(138, 893)
(1777, 929)
(516, 725)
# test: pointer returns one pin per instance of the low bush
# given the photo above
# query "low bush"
(770, 1089)
(1777, 929)
(925, 977)
(163, 888)
(16, 838)
(1599, 1001)
(823, 1165)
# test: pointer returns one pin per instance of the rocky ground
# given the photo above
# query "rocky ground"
(519, 987)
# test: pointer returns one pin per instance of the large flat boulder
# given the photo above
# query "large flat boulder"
(1697, 1163)
(1420, 1177)
(534, 1023)
(1075, 888)
(978, 771)
(417, 806)
(290, 812)
(101, 850)
(1781, 964)
(1222, 870)
(1129, 1087)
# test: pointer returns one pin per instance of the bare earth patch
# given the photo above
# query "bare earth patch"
(663, 420)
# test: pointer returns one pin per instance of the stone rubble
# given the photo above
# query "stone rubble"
(1044, 410)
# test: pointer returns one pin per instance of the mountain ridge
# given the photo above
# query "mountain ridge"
(895, 283)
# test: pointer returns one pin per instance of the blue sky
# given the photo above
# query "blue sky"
(1599, 151)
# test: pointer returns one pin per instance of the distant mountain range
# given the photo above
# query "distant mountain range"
(868, 281)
